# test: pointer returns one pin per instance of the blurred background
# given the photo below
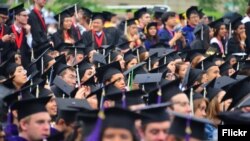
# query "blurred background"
(214, 8)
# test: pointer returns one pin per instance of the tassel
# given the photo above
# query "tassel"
(124, 104)
(202, 66)
(205, 92)
(128, 84)
(76, 11)
(149, 63)
(59, 20)
(78, 76)
(50, 75)
(238, 66)
(102, 97)
(159, 93)
(109, 60)
(131, 80)
(90, 23)
(188, 129)
(230, 31)
(191, 100)
(37, 91)
(125, 28)
(10, 129)
(165, 60)
(202, 32)
(32, 54)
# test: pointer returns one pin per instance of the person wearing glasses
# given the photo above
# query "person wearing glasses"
(20, 29)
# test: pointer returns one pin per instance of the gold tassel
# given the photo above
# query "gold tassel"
(191, 100)
(37, 91)
(125, 28)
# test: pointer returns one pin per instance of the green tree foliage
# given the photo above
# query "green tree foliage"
(209, 5)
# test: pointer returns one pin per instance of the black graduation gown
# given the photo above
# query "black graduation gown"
(5, 47)
(233, 46)
(39, 34)
(111, 37)
(58, 39)
(15, 138)
(76, 33)
(25, 50)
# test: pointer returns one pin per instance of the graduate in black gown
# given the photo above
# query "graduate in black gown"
(64, 33)
(22, 32)
(98, 35)
(37, 23)
(5, 38)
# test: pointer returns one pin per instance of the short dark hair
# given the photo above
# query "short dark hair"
(167, 15)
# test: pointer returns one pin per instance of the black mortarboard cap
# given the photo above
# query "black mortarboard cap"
(196, 126)
(123, 45)
(137, 69)
(62, 85)
(17, 9)
(206, 63)
(216, 24)
(128, 56)
(83, 66)
(140, 12)
(87, 12)
(130, 98)
(65, 103)
(114, 116)
(4, 9)
(194, 74)
(97, 15)
(170, 89)
(159, 10)
(30, 106)
(234, 117)
(152, 59)
(155, 113)
(193, 53)
(151, 24)
(63, 14)
(99, 59)
(236, 23)
(191, 10)
(148, 78)
(108, 15)
(237, 92)
(225, 67)
(104, 73)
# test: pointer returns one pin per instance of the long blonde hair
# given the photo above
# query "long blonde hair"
(213, 108)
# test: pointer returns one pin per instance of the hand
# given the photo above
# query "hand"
(52, 44)
(136, 37)
(243, 36)
(178, 35)
(27, 28)
(82, 92)
(13, 37)
(6, 38)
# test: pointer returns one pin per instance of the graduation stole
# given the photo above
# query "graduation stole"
(18, 38)
(37, 12)
(2, 32)
(98, 40)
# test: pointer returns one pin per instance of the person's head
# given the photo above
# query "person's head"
(129, 14)
(155, 131)
(200, 107)
(248, 11)
(119, 58)
(20, 76)
(97, 22)
(181, 69)
(69, 76)
(169, 19)
(193, 16)
(35, 126)
(65, 121)
(51, 107)
(171, 66)
(144, 56)
(196, 60)
(132, 30)
(151, 30)
(215, 105)
(213, 72)
(3, 14)
(40, 3)
(119, 81)
(144, 18)
(239, 29)
(22, 18)
(181, 103)
(131, 63)
(220, 31)
(67, 23)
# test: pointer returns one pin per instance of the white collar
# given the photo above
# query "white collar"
(98, 33)
(18, 29)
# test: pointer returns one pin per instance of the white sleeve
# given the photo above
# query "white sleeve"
(29, 39)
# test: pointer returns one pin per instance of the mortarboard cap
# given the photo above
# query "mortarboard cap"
(123, 45)
(126, 99)
(128, 56)
(155, 113)
(191, 10)
(63, 14)
(62, 85)
(83, 66)
(170, 89)
(114, 116)
(97, 15)
(30, 106)
(237, 92)
(87, 12)
(99, 59)
(180, 124)
(4, 9)
(151, 24)
(105, 72)
(237, 22)
(138, 14)
(159, 10)
(234, 117)
(108, 15)
(65, 103)
(148, 78)
(17, 9)
(225, 67)
(216, 24)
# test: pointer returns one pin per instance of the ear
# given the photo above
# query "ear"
(23, 125)
(140, 132)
